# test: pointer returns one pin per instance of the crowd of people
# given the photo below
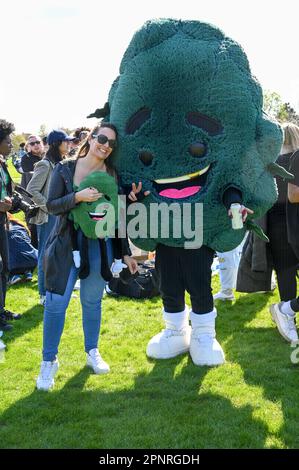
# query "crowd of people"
(52, 169)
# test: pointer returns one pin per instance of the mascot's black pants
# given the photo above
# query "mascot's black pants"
(183, 270)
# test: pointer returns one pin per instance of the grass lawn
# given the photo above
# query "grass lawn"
(250, 402)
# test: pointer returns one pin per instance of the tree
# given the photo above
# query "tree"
(17, 139)
(277, 109)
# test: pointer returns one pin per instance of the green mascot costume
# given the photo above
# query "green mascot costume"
(192, 131)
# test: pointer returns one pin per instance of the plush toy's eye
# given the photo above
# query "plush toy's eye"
(198, 149)
(136, 121)
(146, 157)
(208, 124)
(108, 198)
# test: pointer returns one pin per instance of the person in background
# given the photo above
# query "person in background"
(287, 237)
(6, 129)
(74, 146)
(228, 270)
(22, 255)
(38, 186)
(17, 158)
(34, 154)
(80, 134)
(45, 144)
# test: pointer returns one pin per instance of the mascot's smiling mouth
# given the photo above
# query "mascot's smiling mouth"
(97, 215)
(182, 186)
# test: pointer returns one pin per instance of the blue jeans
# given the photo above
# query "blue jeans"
(43, 232)
(91, 293)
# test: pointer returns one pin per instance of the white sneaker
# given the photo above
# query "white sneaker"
(204, 347)
(223, 296)
(42, 300)
(45, 379)
(169, 343)
(174, 339)
(285, 323)
(95, 361)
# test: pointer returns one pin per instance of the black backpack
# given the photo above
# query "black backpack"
(142, 285)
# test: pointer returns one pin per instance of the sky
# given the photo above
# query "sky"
(59, 58)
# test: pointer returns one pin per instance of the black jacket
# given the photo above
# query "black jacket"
(256, 264)
(58, 257)
(27, 164)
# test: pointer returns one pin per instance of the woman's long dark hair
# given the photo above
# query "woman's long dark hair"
(53, 154)
(84, 149)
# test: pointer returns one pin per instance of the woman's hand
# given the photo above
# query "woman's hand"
(131, 263)
(5, 204)
(132, 196)
(88, 195)
(244, 210)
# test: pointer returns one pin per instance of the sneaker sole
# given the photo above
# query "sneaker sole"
(102, 372)
(214, 364)
(226, 299)
(178, 353)
(44, 389)
(275, 320)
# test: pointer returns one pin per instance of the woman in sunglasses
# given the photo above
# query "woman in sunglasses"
(60, 270)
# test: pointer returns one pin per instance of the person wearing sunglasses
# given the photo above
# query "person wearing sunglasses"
(61, 272)
(35, 152)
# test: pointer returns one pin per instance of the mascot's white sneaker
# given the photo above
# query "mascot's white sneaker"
(204, 348)
(172, 341)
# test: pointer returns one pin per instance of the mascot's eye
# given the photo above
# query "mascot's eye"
(136, 121)
(197, 149)
(146, 157)
(108, 198)
(208, 124)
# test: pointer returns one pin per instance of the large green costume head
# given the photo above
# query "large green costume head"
(190, 122)
(97, 219)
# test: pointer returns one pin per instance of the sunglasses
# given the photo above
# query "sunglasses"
(37, 142)
(102, 139)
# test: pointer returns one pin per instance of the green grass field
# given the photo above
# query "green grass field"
(250, 402)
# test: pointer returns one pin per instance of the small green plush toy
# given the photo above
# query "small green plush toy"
(97, 219)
